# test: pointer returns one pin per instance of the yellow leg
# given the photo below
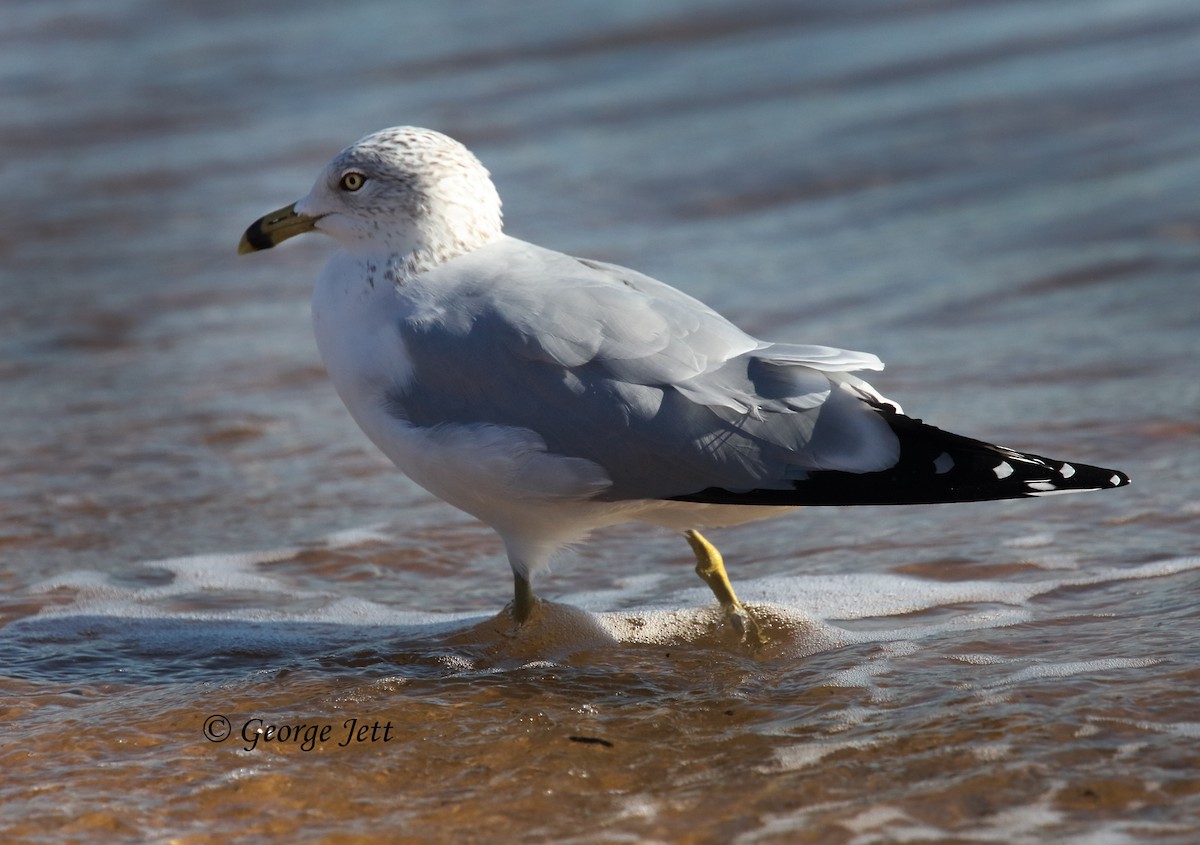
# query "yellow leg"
(710, 566)
(523, 599)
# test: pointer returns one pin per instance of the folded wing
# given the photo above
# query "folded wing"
(671, 400)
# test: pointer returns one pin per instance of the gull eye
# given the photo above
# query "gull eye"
(352, 181)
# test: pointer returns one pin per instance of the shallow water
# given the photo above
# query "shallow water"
(999, 199)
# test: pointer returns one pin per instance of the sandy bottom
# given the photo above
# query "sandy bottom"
(985, 711)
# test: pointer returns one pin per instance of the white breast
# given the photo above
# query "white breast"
(355, 313)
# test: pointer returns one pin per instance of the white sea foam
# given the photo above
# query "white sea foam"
(1188, 730)
(1029, 541)
(359, 536)
(800, 611)
(792, 757)
(883, 824)
(1065, 670)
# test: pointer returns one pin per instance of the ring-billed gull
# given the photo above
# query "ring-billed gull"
(549, 395)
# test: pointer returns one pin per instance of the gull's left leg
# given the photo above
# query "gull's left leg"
(710, 566)
(523, 599)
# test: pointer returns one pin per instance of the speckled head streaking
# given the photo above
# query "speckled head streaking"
(405, 191)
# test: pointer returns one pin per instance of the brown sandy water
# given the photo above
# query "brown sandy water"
(999, 199)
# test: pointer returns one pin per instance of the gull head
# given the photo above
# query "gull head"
(407, 192)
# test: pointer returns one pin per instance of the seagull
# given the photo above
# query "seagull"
(548, 395)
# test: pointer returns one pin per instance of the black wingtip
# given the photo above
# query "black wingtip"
(1067, 477)
(935, 467)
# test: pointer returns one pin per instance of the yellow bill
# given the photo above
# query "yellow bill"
(275, 228)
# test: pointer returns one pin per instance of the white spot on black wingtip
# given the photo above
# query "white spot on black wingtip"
(1066, 470)
(943, 463)
(1041, 486)
(1116, 481)
(1003, 470)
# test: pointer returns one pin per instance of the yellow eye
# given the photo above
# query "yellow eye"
(352, 181)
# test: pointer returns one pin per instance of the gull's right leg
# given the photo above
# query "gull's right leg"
(710, 566)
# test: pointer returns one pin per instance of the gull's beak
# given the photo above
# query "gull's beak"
(275, 228)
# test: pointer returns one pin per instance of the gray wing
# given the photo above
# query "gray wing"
(614, 367)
